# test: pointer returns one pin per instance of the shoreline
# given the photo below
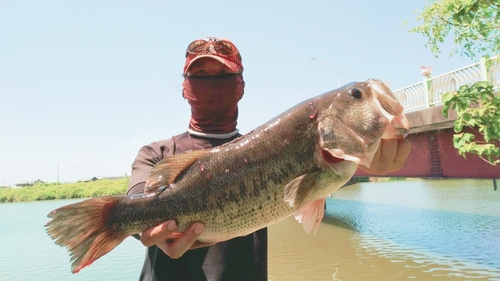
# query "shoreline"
(53, 191)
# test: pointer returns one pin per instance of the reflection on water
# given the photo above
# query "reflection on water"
(423, 230)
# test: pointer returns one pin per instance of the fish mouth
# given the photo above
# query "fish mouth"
(329, 158)
(390, 107)
(340, 166)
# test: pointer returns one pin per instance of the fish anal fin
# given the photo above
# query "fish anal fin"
(166, 171)
(297, 191)
(310, 217)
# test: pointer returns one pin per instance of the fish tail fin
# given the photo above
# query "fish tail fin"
(83, 228)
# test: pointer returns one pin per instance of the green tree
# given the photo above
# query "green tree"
(477, 107)
(475, 28)
(475, 25)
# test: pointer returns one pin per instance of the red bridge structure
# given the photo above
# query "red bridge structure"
(431, 135)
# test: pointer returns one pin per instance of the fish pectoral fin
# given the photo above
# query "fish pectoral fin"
(298, 189)
(310, 217)
(166, 171)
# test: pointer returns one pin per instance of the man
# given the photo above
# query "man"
(213, 85)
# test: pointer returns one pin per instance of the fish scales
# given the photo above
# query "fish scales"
(285, 167)
(257, 176)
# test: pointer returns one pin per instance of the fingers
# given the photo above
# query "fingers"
(174, 244)
(404, 149)
(389, 157)
(180, 245)
(158, 234)
(388, 149)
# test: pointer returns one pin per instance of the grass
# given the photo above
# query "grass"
(50, 191)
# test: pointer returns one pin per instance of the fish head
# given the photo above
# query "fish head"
(353, 119)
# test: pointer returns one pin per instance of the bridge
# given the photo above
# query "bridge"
(431, 134)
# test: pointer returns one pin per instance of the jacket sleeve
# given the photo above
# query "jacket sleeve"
(146, 159)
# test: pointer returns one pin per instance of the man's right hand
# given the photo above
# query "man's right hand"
(162, 236)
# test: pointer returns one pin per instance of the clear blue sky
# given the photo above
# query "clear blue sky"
(84, 84)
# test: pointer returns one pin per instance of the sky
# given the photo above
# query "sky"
(85, 84)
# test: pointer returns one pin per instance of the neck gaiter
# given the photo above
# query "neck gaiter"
(214, 102)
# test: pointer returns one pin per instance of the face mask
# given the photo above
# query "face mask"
(214, 102)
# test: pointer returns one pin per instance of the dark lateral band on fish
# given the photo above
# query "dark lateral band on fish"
(287, 166)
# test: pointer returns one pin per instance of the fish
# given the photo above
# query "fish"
(285, 167)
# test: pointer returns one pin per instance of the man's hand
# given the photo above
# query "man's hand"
(390, 156)
(172, 243)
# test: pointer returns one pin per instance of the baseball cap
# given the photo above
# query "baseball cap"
(222, 50)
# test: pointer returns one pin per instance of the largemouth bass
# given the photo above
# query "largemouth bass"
(287, 166)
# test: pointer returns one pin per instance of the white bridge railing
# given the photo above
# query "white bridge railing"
(428, 92)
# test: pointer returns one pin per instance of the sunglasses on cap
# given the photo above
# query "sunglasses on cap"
(212, 46)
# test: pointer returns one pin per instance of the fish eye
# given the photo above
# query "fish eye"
(356, 93)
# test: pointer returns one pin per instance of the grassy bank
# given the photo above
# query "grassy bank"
(50, 191)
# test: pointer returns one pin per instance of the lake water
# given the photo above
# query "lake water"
(405, 230)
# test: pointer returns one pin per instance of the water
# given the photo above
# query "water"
(411, 230)
(426, 230)
(27, 253)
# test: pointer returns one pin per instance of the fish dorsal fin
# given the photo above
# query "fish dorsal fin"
(298, 189)
(310, 217)
(166, 171)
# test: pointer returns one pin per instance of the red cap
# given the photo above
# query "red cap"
(222, 50)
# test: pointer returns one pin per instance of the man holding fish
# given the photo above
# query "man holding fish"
(201, 200)
(213, 86)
